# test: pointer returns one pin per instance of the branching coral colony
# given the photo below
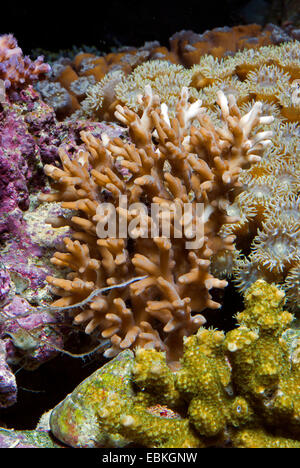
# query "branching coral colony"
(15, 70)
(183, 160)
(268, 203)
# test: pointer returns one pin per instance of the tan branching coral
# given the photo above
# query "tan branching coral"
(169, 163)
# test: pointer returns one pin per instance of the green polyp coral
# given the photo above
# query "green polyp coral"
(263, 371)
(239, 389)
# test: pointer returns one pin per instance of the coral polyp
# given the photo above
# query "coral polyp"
(15, 70)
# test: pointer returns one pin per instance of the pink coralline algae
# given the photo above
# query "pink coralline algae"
(16, 70)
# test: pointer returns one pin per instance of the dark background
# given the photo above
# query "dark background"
(113, 23)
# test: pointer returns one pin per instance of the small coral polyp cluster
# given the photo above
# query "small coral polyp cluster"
(168, 161)
(237, 390)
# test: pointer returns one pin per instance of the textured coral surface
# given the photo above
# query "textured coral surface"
(240, 389)
(71, 76)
